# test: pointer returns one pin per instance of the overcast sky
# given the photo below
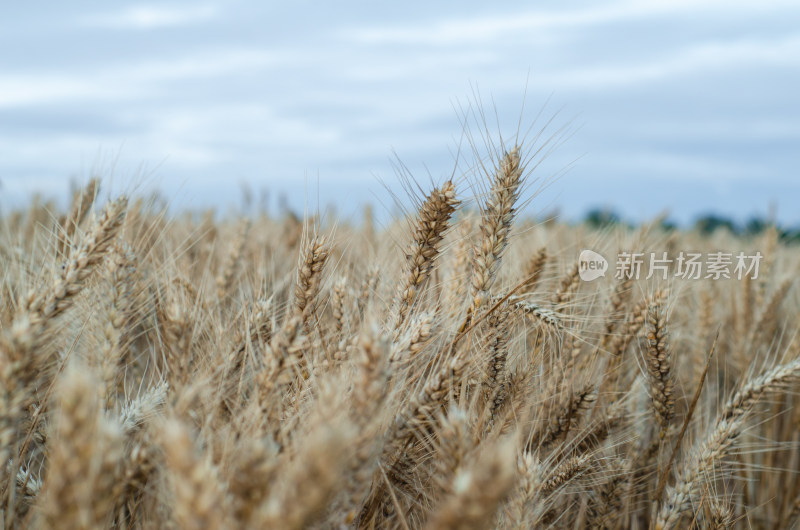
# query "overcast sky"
(690, 106)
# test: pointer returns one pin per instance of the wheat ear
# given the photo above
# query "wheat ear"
(198, 502)
(84, 464)
(81, 204)
(432, 222)
(309, 276)
(497, 218)
(659, 368)
(477, 490)
(721, 438)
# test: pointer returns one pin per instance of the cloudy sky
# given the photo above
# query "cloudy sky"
(686, 106)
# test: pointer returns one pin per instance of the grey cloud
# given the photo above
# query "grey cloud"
(669, 95)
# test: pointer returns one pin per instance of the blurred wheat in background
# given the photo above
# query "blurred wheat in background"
(448, 370)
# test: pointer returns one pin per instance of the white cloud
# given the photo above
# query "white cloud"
(145, 17)
(129, 82)
(679, 166)
(456, 31)
(703, 58)
(239, 125)
(24, 89)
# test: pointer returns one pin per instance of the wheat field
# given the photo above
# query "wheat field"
(448, 369)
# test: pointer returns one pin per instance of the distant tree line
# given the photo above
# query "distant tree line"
(600, 218)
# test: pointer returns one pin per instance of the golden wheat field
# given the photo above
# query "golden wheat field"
(448, 369)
